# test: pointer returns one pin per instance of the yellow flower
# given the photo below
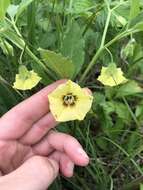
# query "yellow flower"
(111, 75)
(26, 80)
(69, 102)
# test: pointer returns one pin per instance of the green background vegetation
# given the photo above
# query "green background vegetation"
(74, 39)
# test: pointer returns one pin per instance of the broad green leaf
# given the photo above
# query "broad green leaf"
(3, 7)
(73, 47)
(128, 89)
(111, 75)
(26, 79)
(135, 8)
(137, 22)
(141, 186)
(61, 65)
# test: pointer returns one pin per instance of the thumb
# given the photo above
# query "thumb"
(37, 173)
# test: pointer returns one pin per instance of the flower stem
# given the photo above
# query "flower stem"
(105, 29)
(101, 49)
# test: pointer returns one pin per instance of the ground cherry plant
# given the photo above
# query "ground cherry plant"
(92, 43)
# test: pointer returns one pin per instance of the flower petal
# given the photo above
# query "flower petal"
(26, 80)
(111, 75)
(78, 110)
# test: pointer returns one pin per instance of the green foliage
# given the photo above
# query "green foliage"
(73, 46)
(63, 67)
(78, 38)
(141, 186)
(135, 8)
(3, 8)
(128, 89)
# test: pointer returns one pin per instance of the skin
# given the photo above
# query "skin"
(31, 153)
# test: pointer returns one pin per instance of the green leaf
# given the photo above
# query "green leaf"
(137, 23)
(82, 6)
(133, 143)
(46, 80)
(116, 107)
(6, 47)
(3, 7)
(26, 80)
(17, 10)
(62, 66)
(129, 89)
(73, 47)
(128, 50)
(141, 186)
(139, 110)
(122, 111)
(12, 10)
(8, 97)
(22, 6)
(135, 8)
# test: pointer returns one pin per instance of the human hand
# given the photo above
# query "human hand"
(31, 154)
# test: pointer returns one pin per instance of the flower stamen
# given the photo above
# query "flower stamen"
(69, 99)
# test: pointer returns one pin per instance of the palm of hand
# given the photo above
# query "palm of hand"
(13, 154)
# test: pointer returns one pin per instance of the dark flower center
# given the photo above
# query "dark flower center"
(69, 99)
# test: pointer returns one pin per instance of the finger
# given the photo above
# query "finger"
(19, 119)
(39, 130)
(25, 177)
(88, 91)
(66, 165)
(0, 173)
(63, 143)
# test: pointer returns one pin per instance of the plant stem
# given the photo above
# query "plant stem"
(101, 49)
(105, 29)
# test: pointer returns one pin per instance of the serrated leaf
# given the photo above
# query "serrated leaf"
(61, 65)
(111, 75)
(128, 89)
(3, 7)
(73, 47)
(26, 79)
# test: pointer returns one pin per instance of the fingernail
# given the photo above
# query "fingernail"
(82, 153)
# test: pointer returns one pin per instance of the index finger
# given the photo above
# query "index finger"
(20, 118)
